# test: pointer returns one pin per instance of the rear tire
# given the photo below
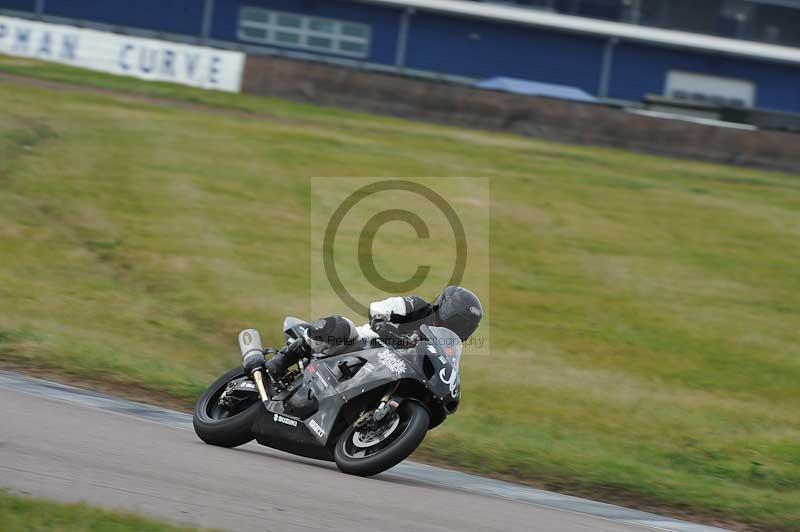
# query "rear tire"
(414, 424)
(228, 431)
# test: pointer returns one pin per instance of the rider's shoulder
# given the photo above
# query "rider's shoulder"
(398, 305)
(390, 305)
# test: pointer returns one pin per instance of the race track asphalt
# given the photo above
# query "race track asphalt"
(125, 458)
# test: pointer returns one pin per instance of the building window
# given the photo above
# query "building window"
(710, 90)
(265, 26)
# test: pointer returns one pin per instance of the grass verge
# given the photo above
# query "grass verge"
(644, 323)
(23, 514)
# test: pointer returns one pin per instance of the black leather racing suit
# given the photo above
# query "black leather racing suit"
(390, 319)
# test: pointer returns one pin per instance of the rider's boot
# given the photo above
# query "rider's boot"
(286, 357)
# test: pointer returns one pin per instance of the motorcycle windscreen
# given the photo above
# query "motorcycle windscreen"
(445, 341)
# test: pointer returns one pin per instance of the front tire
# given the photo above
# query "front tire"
(216, 426)
(356, 454)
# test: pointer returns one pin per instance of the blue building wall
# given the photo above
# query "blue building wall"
(21, 5)
(385, 22)
(479, 49)
(168, 16)
(641, 69)
(457, 46)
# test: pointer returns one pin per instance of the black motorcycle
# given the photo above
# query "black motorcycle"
(367, 410)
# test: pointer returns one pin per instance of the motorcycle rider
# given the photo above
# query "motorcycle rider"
(394, 320)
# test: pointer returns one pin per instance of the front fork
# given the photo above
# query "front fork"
(258, 376)
(253, 359)
(387, 406)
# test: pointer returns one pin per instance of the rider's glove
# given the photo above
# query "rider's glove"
(389, 332)
(386, 310)
(380, 321)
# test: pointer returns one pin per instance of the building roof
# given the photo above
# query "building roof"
(556, 21)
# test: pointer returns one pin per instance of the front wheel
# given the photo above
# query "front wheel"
(372, 449)
(226, 422)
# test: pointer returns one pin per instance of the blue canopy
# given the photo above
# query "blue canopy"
(535, 88)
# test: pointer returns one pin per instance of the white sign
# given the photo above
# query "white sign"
(149, 59)
(710, 89)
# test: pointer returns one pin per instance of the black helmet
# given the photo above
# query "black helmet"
(459, 310)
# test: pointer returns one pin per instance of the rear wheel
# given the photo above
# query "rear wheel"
(373, 448)
(226, 422)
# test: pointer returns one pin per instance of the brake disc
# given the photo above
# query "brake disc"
(372, 438)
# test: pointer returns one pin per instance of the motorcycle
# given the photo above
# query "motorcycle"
(366, 410)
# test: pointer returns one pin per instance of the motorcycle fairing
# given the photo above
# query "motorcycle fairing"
(442, 348)
(332, 387)
(312, 435)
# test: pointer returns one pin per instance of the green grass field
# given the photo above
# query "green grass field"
(22, 514)
(645, 318)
